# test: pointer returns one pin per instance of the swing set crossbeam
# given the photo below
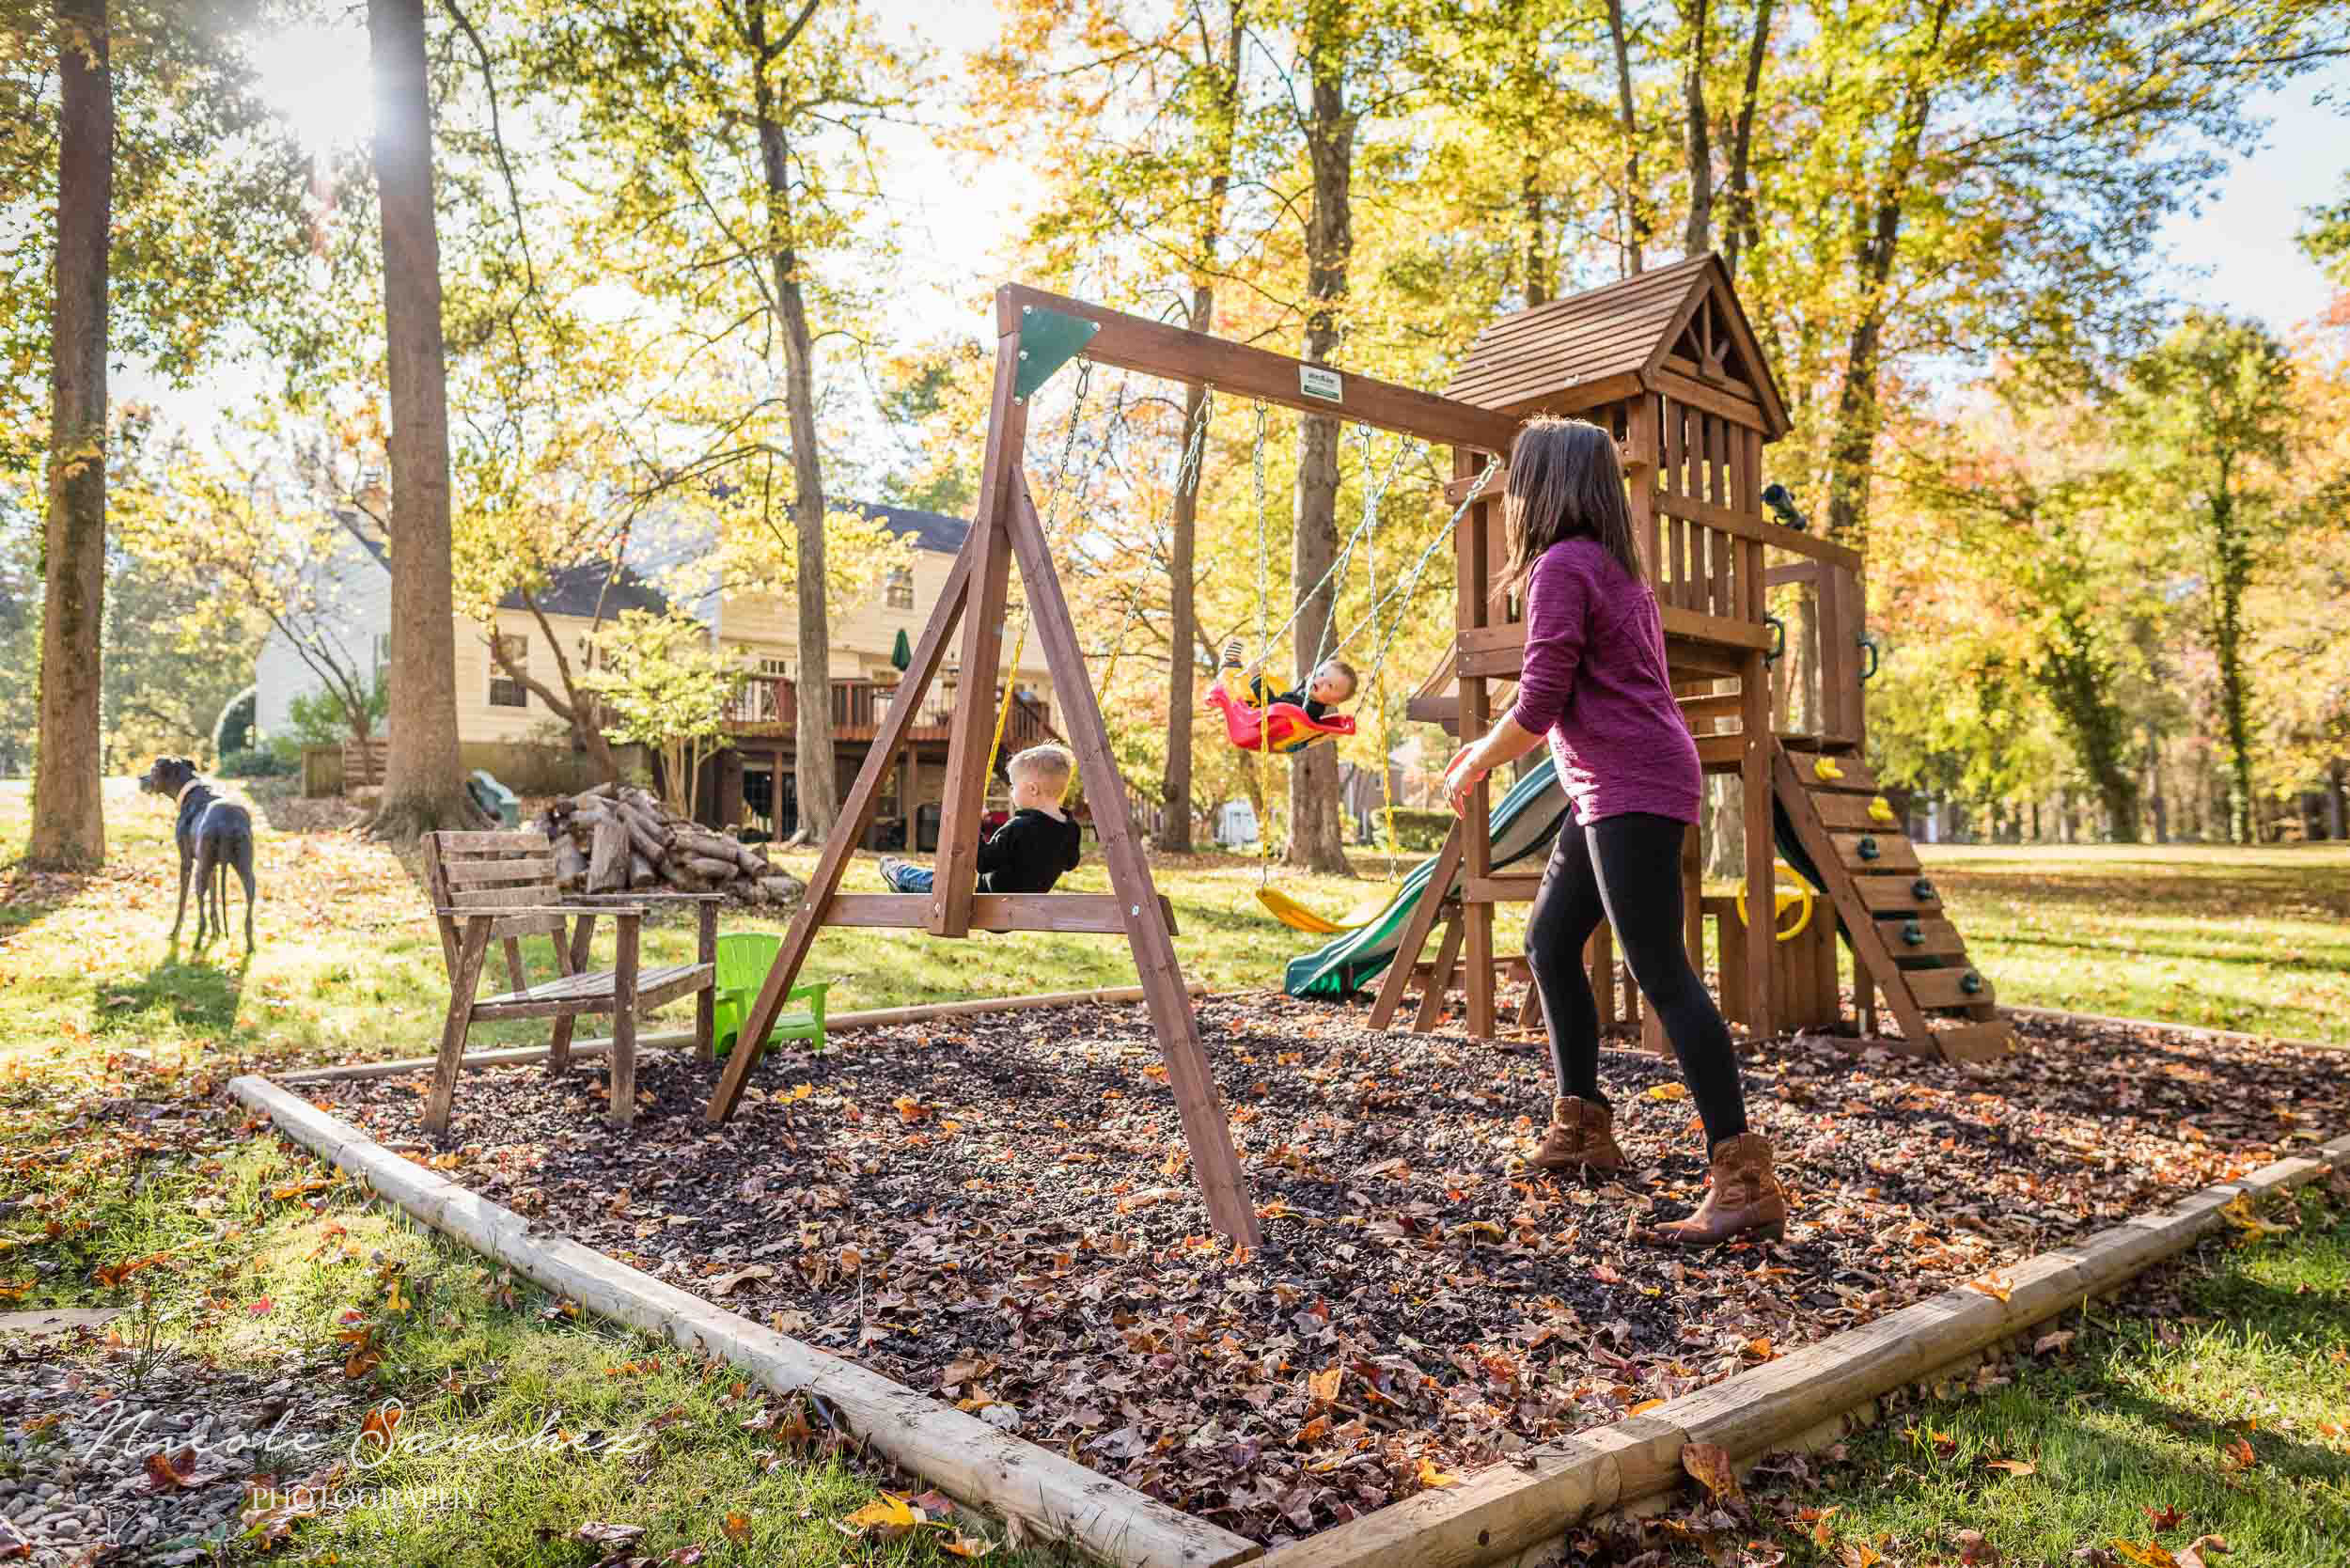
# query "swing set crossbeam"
(1156, 349)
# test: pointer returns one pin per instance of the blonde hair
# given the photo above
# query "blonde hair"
(1045, 763)
(1340, 666)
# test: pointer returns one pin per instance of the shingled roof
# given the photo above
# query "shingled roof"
(1627, 332)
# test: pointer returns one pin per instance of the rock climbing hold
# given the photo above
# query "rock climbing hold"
(1971, 983)
(1881, 810)
(1824, 768)
(1913, 933)
(1867, 849)
(1921, 890)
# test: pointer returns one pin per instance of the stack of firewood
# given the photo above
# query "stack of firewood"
(619, 838)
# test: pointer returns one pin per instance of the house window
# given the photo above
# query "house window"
(506, 692)
(770, 664)
(900, 589)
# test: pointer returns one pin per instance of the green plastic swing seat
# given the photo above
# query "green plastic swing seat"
(744, 960)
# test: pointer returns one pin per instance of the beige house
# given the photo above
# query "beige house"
(506, 728)
(752, 782)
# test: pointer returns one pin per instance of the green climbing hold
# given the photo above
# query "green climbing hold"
(1048, 341)
(1971, 983)
(1913, 933)
(1921, 890)
(1868, 846)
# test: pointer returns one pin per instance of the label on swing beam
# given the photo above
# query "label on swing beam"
(1316, 380)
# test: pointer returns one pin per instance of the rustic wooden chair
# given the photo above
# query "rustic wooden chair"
(501, 885)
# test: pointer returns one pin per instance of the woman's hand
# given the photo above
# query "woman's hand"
(1461, 776)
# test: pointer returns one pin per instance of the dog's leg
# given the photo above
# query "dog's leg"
(187, 858)
(203, 889)
(244, 874)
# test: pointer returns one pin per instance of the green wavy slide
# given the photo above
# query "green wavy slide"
(1523, 824)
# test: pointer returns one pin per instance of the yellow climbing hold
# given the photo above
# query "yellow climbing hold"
(1880, 809)
(1825, 768)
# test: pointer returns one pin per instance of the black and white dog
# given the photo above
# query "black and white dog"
(214, 835)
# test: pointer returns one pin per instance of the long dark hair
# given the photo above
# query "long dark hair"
(1565, 482)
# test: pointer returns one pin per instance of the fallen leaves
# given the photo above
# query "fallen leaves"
(1998, 1287)
(1432, 1476)
(2237, 1457)
(2015, 1467)
(1711, 1467)
(2239, 1212)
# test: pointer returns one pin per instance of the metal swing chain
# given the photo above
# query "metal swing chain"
(1052, 503)
(1402, 595)
(1186, 472)
(1366, 531)
(1264, 731)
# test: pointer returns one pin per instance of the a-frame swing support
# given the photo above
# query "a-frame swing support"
(1007, 529)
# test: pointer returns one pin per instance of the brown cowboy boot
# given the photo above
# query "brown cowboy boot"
(1582, 1137)
(1742, 1199)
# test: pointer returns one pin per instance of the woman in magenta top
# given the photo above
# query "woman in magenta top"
(1595, 685)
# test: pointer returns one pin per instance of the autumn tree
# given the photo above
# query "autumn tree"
(2033, 496)
(727, 145)
(1137, 117)
(2211, 421)
(423, 787)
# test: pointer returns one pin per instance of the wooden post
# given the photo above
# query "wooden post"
(1415, 938)
(464, 980)
(1472, 552)
(1754, 793)
(622, 1108)
(1214, 1163)
(973, 733)
(1440, 974)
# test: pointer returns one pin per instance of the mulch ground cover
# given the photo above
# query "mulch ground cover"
(997, 1210)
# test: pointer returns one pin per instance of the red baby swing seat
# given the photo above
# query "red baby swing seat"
(1281, 729)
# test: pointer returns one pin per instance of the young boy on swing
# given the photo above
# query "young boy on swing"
(1333, 681)
(1028, 854)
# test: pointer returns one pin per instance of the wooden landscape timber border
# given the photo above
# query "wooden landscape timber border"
(1504, 1513)
(839, 1023)
(2232, 1036)
(970, 1460)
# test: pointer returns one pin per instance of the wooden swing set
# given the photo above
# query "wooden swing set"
(1037, 332)
(1667, 362)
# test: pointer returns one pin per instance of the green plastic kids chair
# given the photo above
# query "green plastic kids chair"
(744, 960)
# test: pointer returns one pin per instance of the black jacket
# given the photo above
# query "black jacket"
(1028, 854)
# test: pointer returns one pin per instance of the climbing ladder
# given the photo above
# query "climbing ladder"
(1889, 910)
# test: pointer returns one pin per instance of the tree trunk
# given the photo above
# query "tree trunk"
(1315, 839)
(812, 747)
(1536, 239)
(1741, 229)
(2231, 569)
(1699, 236)
(1851, 447)
(423, 787)
(69, 829)
(1635, 214)
(1174, 834)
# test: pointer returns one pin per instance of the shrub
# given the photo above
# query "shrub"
(254, 764)
(1416, 829)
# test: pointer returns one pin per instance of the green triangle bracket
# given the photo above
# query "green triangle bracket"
(1048, 341)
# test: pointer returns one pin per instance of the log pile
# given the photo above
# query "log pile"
(619, 838)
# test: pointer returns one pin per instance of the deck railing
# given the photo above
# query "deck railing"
(859, 706)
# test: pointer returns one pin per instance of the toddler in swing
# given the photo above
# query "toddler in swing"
(1332, 683)
(1028, 854)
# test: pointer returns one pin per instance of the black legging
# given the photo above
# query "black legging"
(1635, 888)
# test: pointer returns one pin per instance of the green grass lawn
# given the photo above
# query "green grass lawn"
(2254, 938)
(2220, 1410)
(100, 1015)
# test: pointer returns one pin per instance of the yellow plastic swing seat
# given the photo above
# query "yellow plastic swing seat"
(1297, 917)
